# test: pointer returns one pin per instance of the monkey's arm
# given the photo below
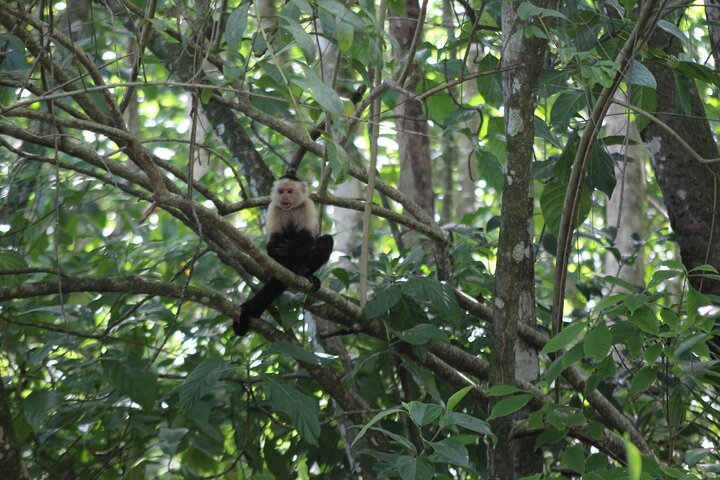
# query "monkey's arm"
(293, 245)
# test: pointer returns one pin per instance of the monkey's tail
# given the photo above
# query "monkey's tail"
(255, 306)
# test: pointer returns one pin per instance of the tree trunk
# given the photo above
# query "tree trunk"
(625, 209)
(690, 188)
(413, 142)
(513, 359)
(11, 464)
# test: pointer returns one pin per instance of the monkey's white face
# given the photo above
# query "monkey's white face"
(288, 194)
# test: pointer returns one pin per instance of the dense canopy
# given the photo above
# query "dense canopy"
(523, 197)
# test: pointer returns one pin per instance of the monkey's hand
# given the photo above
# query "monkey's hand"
(315, 282)
(307, 273)
(280, 249)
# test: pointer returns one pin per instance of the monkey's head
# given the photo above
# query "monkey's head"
(288, 193)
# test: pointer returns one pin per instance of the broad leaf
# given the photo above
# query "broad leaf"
(301, 409)
(509, 405)
(201, 381)
(414, 468)
(597, 342)
(423, 413)
(450, 451)
(563, 339)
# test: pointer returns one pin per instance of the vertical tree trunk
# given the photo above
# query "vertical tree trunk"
(11, 464)
(712, 13)
(690, 188)
(625, 208)
(413, 142)
(513, 359)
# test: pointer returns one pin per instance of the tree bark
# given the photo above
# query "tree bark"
(11, 464)
(512, 359)
(690, 188)
(413, 142)
(625, 209)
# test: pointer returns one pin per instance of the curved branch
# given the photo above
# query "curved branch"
(681, 141)
(571, 205)
(130, 285)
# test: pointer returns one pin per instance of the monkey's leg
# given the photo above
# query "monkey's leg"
(317, 257)
(320, 254)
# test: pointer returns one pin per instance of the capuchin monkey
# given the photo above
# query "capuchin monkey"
(292, 240)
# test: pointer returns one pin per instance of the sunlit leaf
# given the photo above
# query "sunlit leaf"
(301, 409)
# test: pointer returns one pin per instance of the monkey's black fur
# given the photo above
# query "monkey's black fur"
(292, 242)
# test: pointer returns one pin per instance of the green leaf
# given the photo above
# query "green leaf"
(552, 200)
(12, 260)
(399, 439)
(673, 29)
(597, 342)
(610, 301)
(643, 379)
(423, 334)
(37, 406)
(304, 40)
(235, 27)
(341, 13)
(450, 451)
(439, 107)
(338, 158)
(693, 457)
(344, 33)
(508, 406)
(634, 460)
(323, 94)
(14, 58)
(527, 10)
(298, 353)
(414, 468)
(601, 175)
(639, 75)
(374, 420)
(278, 464)
(457, 397)
(423, 413)
(426, 377)
(566, 106)
(652, 352)
(563, 339)
(466, 421)
(439, 296)
(661, 276)
(695, 300)
(691, 343)
(633, 302)
(502, 390)
(596, 461)
(646, 99)
(383, 301)
(170, 439)
(645, 320)
(201, 381)
(302, 410)
(129, 377)
(574, 459)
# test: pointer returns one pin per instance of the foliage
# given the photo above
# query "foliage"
(116, 295)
